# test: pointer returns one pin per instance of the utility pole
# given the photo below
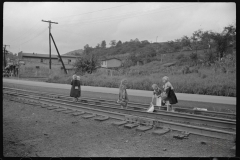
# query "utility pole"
(49, 41)
(58, 54)
(4, 56)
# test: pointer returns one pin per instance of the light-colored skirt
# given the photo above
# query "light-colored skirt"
(159, 101)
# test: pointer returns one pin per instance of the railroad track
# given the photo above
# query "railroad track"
(134, 118)
(136, 106)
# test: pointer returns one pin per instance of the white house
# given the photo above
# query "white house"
(111, 63)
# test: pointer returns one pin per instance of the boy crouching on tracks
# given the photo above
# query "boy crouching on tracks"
(168, 96)
(123, 96)
(157, 94)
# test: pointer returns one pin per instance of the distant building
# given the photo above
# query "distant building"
(44, 58)
(111, 63)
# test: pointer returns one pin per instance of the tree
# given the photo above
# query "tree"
(113, 43)
(119, 43)
(194, 57)
(230, 33)
(196, 39)
(185, 41)
(87, 49)
(221, 44)
(98, 46)
(103, 44)
(87, 63)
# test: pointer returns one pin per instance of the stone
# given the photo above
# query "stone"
(130, 125)
(101, 118)
(144, 128)
(179, 136)
(161, 131)
(88, 116)
(203, 142)
(77, 113)
(118, 123)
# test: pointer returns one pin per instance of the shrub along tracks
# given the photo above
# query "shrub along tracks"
(134, 116)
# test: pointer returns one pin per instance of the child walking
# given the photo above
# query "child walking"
(169, 92)
(123, 96)
(75, 88)
(79, 92)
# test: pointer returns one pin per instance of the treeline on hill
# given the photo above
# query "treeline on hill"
(207, 67)
(217, 45)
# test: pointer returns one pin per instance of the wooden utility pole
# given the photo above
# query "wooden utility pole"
(49, 41)
(58, 53)
(4, 56)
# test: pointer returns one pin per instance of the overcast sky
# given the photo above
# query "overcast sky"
(81, 23)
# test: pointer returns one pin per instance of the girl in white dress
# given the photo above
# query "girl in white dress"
(157, 94)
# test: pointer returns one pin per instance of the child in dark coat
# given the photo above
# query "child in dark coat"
(170, 95)
(75, 88)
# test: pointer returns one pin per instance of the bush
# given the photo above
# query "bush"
(180, 56)
(203, 82)
(203, 76)
(185, 70)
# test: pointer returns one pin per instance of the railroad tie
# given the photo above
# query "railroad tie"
(119, 123)
(44, 105)
(101, 118)
(145, 124)
(179, 136)
(68, 111)
(78, 113)
(60, 109)
(52, 107)
(88, 116)
(132, 122)
(161, 131)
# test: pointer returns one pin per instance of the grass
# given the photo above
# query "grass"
(212, 84)
(204, 81)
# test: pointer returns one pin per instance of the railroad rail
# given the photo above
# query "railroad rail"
(160, 119)
(136, 106)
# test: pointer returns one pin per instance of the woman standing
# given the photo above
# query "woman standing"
(75, 88)
(123, 96)
(170, 95)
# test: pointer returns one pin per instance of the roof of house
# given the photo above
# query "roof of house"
(110, 59)
(69, 56)
(37, 55)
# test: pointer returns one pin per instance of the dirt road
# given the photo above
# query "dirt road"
(32, 131)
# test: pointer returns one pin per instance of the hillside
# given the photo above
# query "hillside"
(75, 52)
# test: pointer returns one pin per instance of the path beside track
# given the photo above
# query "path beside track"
(141, 93)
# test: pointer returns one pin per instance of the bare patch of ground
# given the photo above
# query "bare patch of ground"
(33, 131)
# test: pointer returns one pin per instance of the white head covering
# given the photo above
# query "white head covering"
(74, 76)
(154, 86)
(165, 78)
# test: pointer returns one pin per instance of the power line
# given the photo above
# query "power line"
(94, 11)
(35, 36)
(114, 18)
(104, 17)
(27, 33)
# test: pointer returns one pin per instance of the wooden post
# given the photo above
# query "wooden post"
(58, 53)
(50, 42)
